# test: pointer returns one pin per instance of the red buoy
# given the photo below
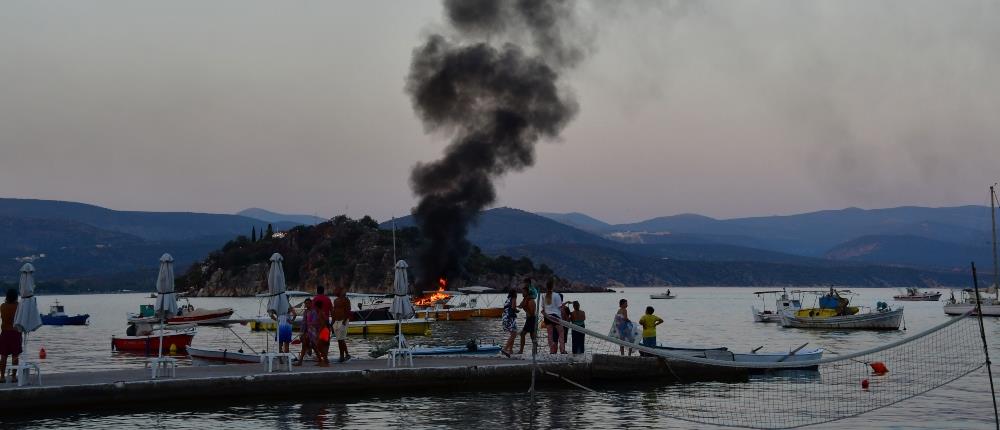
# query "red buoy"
(879, 368)
(864, 384)
(41, 353)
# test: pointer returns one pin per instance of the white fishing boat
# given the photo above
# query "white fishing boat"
(782, 303)
(799, 354)
(834, 312)
(221, 356)
(967, 300)
(915, 295)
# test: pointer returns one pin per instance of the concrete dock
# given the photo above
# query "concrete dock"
(134, 389)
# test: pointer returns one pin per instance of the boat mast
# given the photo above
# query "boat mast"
(993, 218)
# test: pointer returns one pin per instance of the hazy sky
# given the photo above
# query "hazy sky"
(722, 108)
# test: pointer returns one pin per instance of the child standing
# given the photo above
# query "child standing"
(649, 323)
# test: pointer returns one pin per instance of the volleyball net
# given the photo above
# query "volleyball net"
(795, 389)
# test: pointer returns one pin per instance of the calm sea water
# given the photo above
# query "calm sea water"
(699, 316)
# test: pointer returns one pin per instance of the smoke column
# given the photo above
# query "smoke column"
(492, 84)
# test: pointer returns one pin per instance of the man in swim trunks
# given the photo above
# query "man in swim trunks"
(530, 318)
(341, 316)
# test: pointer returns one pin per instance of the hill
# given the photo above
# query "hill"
(145, 225)
(908, 250)
(274, 217)
(576, 219)
(341, 252)
(600, 265)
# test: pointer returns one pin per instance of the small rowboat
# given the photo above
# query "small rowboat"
(57, 316)
(150, 343)
(457, 350)
(222, 356)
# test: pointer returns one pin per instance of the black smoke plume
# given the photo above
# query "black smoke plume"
(492, 84)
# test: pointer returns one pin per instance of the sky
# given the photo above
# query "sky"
(722, 108)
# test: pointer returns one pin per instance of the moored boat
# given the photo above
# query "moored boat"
(413, 326)
(783, 303)
(835, 312)
(185, 315)
(57, 316)
(222, 356)
(148, 342)
(472, 349)
(967, 302)
(452, 314)
(915, 295)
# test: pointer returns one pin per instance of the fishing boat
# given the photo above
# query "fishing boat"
(187, 314)
(835, 312)
(57, 316)
(799, 354)
(142, 338)
(482, 305)
(664, 295)
(915, 295)
(782, 303)
(967, 301)
(221, 356)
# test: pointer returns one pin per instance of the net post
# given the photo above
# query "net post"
(982, 334)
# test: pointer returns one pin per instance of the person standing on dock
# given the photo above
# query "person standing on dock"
(309, 332)
(509, 322)
(552, 303)
(530, 317)
(579, 318)
(649, 323)
(323, 307)
(341, 318)
(623, 328)
(10, 338)
(565, 314)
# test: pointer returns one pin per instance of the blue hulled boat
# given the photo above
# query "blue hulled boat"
(57, 316)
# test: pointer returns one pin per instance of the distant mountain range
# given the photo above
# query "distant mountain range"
(76, 242)
(687, 250)
(82, 244)
(274, 217)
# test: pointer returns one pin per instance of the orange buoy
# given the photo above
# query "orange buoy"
(41, 353)
(864, 384)
(878, 368)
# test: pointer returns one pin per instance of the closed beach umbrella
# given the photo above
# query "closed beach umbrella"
(278, 300)
(166, 300)
(27, 319)
(401, 308)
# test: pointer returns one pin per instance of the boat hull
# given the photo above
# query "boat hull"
(920, 298)
(889, 320)
(65, 319)
(416, 327)
(765, 316)
(962, 308)
(447, 314)
(221, 356)
(488, 312)
(150, 345)
(662, 296)
(456, 350)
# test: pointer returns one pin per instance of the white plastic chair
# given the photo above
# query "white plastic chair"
(403, 353)
(271, 357)
(162, 367)
(23, 372)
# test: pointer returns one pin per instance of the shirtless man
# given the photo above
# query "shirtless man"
(341, 316)
(530, 318)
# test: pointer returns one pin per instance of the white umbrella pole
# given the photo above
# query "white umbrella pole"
(161, 336)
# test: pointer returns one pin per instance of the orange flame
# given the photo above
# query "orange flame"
(437, 296)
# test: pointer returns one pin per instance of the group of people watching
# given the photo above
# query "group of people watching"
(553, 308)
(322, 321)
(556, 310)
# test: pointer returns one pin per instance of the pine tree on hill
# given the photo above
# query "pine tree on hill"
(270, 231)
(253, 234)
